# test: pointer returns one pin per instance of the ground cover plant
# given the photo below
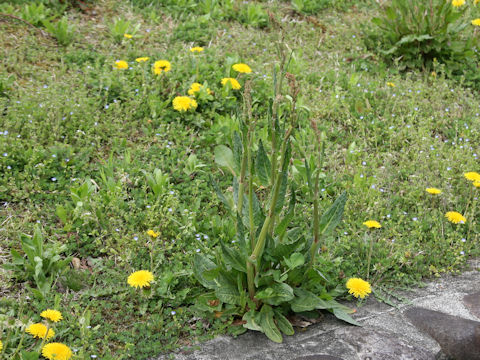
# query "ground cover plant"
(129, 131)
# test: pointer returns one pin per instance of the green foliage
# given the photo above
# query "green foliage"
(62, 30)
(40, 263)
(35, 13)
(417, 34)
(120, 27)
(269, 269)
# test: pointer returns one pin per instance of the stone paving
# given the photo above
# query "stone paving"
(438, 321)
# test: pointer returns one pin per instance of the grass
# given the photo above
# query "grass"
(69, 120)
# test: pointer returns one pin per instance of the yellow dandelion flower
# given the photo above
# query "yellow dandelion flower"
(161, 65)
(56, 351)
(472, 176)
(195, 87)
(196, 49)
(39, 331)
(1, 346)
(184, 103)
(476, 184)
(372, 224)
(390, 84)
(140, 279)
(142, 59)
(242, 68)
(121, 65)
(152, 233)
(233, 83)
(127, 36)
(358, 287)
(52, 315)
(457, 3)
(455, 217)
(476, 22)
(433, 191)
(475, 2)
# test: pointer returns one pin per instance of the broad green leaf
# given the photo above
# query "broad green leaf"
(282, 191)
(342, 315)
(332, 217)
(253, 320)
(295, 260)
(262, 165)
(268, 324)
(224, 157)
(202, 264)
(307, 301)
(233, 258)
(283, 324)
(275, 294)
(227, 291)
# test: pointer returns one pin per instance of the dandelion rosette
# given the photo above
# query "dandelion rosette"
(196, 49)
(52, 315)
(433, 191)
(472, 176)
(121, 65)
(184, 103)
(56, 351)
(242, 68)
(39, 331)
(233, 83)
(141, 279)
(455, 217)
(161, 66)
(142, 59)
(372, 224)
(358, 287)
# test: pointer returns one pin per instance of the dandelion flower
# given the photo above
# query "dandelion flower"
(127, 36)
(195, 87)
(56, 351)
(242, 68)
(161, 65)
(455, 217)
(472, 176)
(140, 279)
(152, 233)
(458, 3)
(196, 49)
(476, 22)
(39, 331)
(184, 103)
(1, 345)
(433, 191)
(372, 224)
(390, 84)
(476, 184)
(475, 2)
(358, 287)
(121, 65)
(233, 83)
(142, 59)
(52, 315)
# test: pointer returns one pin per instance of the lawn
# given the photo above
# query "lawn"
(113, 173)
